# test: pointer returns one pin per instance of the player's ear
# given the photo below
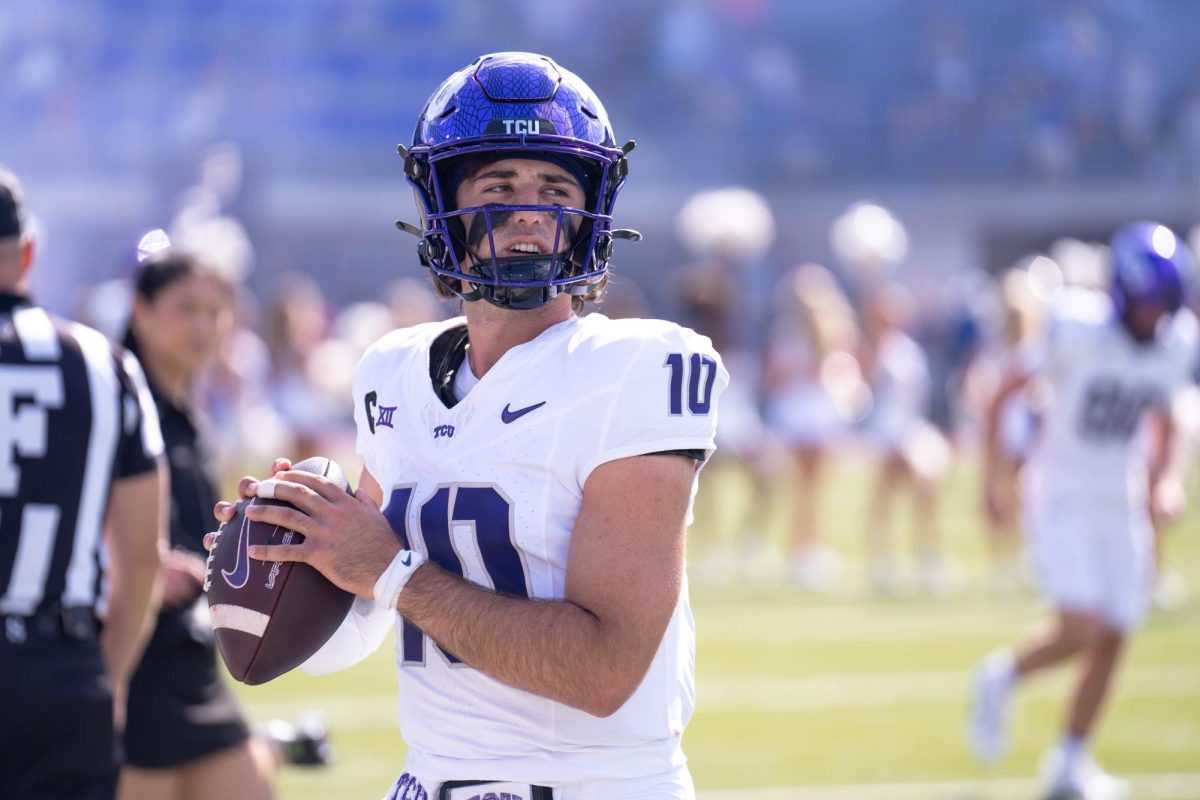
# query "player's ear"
(27, 249)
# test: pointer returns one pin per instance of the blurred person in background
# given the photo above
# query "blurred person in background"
(184, 734)
(297, 323)
(912, 452)
(720, 294)
(1170, 588)
(1021, 327)
(1089, 492)
(82, 502)
(412, 302)
(813, 389)
(244, 426)
(872, 243)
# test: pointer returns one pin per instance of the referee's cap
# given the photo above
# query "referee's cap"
(12, 205)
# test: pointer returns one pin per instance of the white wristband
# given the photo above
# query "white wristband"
(391, 582)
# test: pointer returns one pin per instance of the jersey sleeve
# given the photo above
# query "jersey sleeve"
(1185, 361)
(140, 443)
(663, 396)
(364, 400)
(360, 634)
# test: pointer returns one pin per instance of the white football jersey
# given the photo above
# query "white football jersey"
(491, 489)
(1098, 383)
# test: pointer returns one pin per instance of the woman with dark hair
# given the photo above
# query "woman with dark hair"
(184, 734)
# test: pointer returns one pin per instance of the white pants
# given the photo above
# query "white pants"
(1092, 556)
(673, 785)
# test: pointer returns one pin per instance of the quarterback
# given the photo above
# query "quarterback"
(528, 472)
(1108, 362)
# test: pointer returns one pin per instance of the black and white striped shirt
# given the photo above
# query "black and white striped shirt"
(75, 415)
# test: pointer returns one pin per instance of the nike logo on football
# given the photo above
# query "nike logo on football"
(241, 567)
(507, 416)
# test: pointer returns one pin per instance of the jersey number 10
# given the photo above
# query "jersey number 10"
(701, 369)
(489, 515)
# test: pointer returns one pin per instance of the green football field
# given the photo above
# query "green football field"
(837, 696)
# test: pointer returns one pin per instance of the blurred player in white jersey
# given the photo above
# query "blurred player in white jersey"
(535, 470)
(1088, 489)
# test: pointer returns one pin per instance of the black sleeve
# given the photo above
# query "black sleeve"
(698, 455)
(139, 444)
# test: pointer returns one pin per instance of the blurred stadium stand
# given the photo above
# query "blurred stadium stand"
(989, 128)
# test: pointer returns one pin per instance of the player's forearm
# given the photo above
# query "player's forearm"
(1162, 463)
(132, 607)
(552, 648)
(991, 426)
(991, 439)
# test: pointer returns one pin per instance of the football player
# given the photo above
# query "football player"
(1107, 362)
(529, 472)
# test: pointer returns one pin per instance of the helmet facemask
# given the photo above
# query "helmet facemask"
(514, 256)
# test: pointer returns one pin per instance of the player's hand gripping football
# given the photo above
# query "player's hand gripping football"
(346, 538)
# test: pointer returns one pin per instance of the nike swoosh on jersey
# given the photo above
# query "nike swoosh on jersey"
(407, 560)
(507, 416)
(241, 567)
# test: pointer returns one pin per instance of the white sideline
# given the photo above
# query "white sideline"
(1149, 786)
(871, 690)
(940, 687)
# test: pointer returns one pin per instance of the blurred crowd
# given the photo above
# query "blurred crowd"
(856, 361)
(847, 361)
(760, 91)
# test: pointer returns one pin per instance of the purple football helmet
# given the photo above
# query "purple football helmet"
(515, 105)
(1150, 265)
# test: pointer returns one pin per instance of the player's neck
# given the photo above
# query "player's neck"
(493, 331)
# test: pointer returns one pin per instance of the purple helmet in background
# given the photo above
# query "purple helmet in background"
(1150, 264)
(515, 105)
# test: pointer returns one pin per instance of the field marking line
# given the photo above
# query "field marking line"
(872, 690)
(1146, 786)
(943, 687)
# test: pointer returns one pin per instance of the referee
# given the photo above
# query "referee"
(81, 515)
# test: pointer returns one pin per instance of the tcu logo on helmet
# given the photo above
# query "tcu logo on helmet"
(519, 126)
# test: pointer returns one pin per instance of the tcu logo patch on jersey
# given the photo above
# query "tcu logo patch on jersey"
(407, 787)
(446, 431)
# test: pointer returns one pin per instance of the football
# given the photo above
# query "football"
(270, 616)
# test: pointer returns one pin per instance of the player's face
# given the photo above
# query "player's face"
(184, 323)
(1144, 318)
(519, 182)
